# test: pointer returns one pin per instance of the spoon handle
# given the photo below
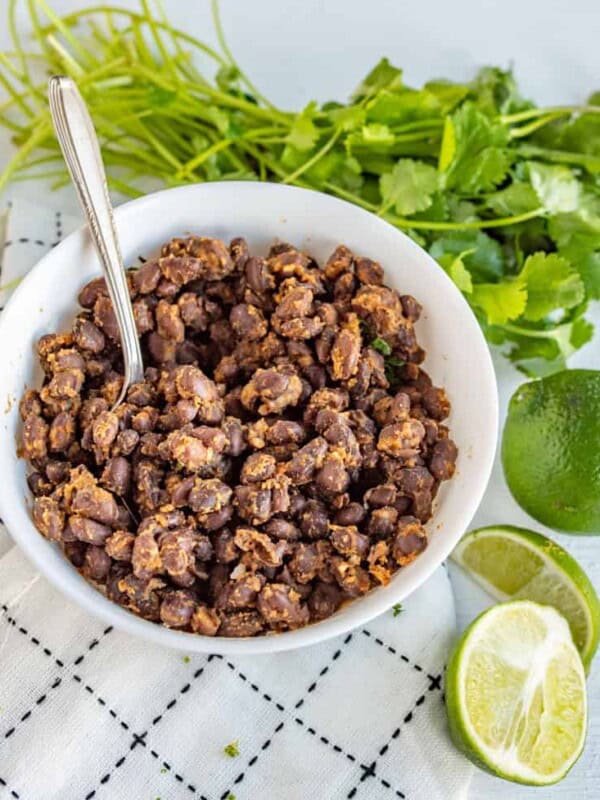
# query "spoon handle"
(77, 138)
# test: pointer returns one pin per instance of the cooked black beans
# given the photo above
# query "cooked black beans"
(279, 458)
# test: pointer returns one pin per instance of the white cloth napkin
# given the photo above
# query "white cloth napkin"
(87, 712)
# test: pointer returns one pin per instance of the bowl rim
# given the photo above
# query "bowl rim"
(101, 607)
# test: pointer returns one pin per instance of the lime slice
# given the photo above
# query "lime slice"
(514, 563)
(515, 694)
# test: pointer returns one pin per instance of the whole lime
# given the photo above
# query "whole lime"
(551, 450)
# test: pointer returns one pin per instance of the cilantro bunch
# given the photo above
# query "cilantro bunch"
(505, 195)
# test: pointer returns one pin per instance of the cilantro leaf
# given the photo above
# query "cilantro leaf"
(437, 211)
(407, 105)
(227, 77)
(348, 118)
(383, 76)
(551, 283)
(588, 266)
(482, 255)
(376, 134)
(461, 275)
(448, 94)
(541, 351)
(220, 119)
(577, 236)
(392, 365)
(158, 97)
(397, 609)
(409, 187)
(460, 210)
(495, 91)
(381, 346)
(448, 146)
(517, 198)
(582, 135)
(500, 301)
(575, 233)
(233, 749)
(540, 363)
(455, 267)
(303, 134)
(582, 332)
(474, 156)
(556, 187)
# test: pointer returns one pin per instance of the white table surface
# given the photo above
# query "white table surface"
(320, 49)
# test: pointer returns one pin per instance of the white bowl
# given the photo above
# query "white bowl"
(457, 359)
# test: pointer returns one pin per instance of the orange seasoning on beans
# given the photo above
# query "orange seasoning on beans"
(280, 457)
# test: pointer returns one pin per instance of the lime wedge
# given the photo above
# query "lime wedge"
(514, 563)
(515, 694)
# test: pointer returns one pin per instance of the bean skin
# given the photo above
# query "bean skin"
(280, 456)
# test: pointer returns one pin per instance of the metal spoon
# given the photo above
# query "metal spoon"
(77, 138)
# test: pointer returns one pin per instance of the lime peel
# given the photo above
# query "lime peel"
(524, 720)
(550, 450)
(516, 563)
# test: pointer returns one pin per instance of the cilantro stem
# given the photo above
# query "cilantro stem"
(432, 225)
(418, 125)
(195, 162)
(11, 284)
(75, 16)
(13, 126)
(216, 15)
(532, 113)
(475, 224)
(345, 194)
(163, 118)
(535, 334)
(38, 176)
(70, 64)
(561, 156)
(527, 130)
(10, 67)
(26, 76)
(59, 24)
(36, 137)
(242, 105)
(14, 95)
(165, 55)
(312, 161)
(12, 27)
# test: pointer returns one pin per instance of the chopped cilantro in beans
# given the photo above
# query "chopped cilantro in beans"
(381, 346)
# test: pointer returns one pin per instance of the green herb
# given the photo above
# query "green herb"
(409, 186)
(397, 609)
(186, 659)
(392, 365)
(163, 771)
(382, 346)
(505, 195)
(230, 796)
(233, 749)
